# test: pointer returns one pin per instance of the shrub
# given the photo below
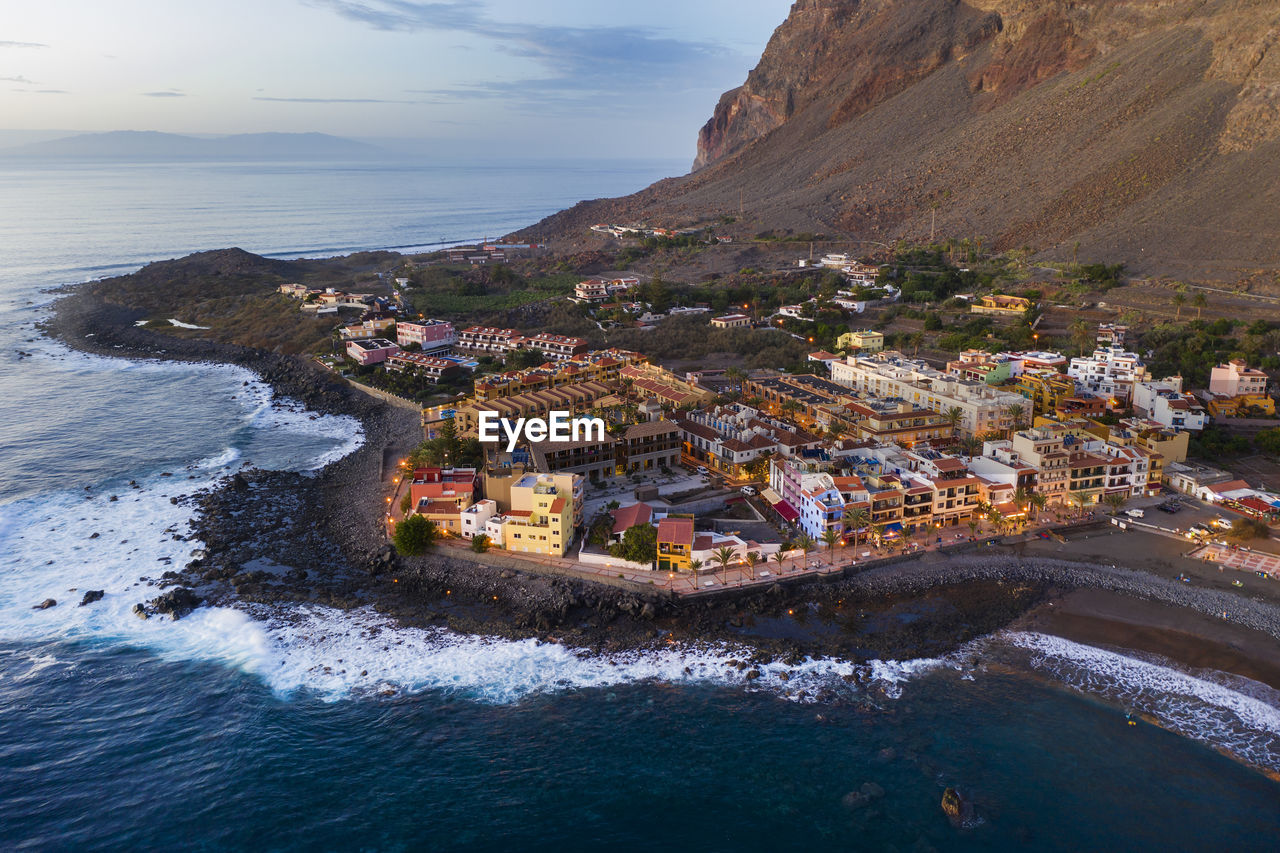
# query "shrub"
(414, 536)
(480, 543)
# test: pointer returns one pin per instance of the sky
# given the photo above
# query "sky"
(555, 77)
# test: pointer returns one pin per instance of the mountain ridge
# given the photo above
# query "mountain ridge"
(1142, 131)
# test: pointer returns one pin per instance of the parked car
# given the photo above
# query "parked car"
(1221, 523)
(702, 469)
(1135, 513)
(749, 491)
(1197, 530)
(1170, 507)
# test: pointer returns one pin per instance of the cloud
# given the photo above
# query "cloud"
(333, 100)
(52, 92)
(19, 79)
(168, 93)
(20, 44)
(580, 63)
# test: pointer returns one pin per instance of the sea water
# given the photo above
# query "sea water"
(310, 727)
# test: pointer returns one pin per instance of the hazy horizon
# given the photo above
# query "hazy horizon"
(568, 78)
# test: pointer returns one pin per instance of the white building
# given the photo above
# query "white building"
(475, 518)
(983, 409)
(1110, 372)
(1163, 401)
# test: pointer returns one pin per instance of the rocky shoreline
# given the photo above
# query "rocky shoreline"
(276, 538)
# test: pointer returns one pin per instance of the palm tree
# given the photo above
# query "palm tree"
(694, 565)
(996, 517)
(971, 445)
(724, 556)
(1179, 299)
(753, 557)
(806, 544)
(974, 524)
(1016, 412)
(917, 338)
(1080, 499)
(1200, 302)
(1115, 500)
(855, 518)
(830, 537)
(1038, 502)
(780, 557)
(1082, 334)
(953, 415)
(877, 533)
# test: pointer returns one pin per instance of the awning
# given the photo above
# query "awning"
(770, 495)
(786, 510)
(896, 527)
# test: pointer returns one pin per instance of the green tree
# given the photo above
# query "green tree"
(1037, 502)
(806, 544)
(953, 415)
(1114, 501)
(1243, 529)
(480, 543)
(414, 536)
(639, 544)
(1179, 299)
(753, 559)
(1199, 301)
(1268, 441)
(1080, 499)
(855, 518)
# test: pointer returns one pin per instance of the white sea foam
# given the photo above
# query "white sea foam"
(182, 325)
(1225, 713)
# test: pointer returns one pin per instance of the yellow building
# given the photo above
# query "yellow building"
(545, 511)
(1001, 306)
(864, 341)
(1046, 391)
(1243, 406)
(675, 544)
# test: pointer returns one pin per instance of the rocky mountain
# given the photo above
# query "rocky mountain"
(1144, 131)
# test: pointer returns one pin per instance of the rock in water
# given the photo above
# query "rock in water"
(177, 602)
(140, 611)
(46, 604)
(958, 810)
(91, 596)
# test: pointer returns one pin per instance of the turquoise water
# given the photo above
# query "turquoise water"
(338, 731)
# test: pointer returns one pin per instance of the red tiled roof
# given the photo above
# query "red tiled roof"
(627, 517)
(676, 530)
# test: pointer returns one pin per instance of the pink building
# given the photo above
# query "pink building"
(428, 334)
(1235, 379)
(371, 351)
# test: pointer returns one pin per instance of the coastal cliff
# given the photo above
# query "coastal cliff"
(1145, 132)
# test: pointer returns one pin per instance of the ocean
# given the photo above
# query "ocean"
(320, 729)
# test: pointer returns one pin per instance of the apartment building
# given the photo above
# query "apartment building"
(642, 447)
(371, 350)
(650, 381)
(1111, 373)
(432, 335)
(556, 347)
(545, 510)
(1235, 379)
(597, 366)
(487, 339)
(1045, 450)
(1164, 402)
(899, 422)
(983, 409)
(575, 399)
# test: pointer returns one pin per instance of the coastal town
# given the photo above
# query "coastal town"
(724, 476)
